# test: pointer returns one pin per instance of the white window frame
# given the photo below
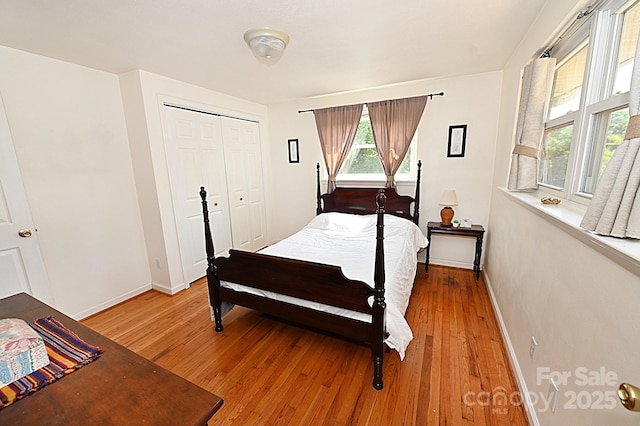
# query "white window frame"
(600, 29)
(370, 178)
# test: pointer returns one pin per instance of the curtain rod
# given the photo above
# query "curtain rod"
(430, 96)
(574, 25)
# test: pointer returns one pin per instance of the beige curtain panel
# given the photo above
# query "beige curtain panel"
(337, 128)
(615, 207)
(394, 123)
(537, 80)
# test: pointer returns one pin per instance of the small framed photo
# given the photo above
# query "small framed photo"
(294, 154)
(457, 140)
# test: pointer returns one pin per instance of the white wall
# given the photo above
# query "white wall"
(143, 94)
(90, 147)
(473, 100)
(69, 133)
(581, 307)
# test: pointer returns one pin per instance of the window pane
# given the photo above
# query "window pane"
(555, 156)
(627, 51)
(610, 127)
(364, 135)
(405, 167)
(363, 158)
(567, 85)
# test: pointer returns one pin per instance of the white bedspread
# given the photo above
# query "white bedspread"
(349, 241)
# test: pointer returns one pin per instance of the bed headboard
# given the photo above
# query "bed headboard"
(363, 200)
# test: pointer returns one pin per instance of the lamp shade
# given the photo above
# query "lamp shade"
(266, 44)
(449, 198)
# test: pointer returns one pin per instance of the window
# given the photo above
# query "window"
(588, 109)
(555, 156)
(627, 50)
(564, 103)
(567, 84)
(608, 132)
(363, 162)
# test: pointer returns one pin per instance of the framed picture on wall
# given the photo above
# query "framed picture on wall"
(457, 140)
(294, 155)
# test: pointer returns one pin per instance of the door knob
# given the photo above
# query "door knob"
(25, 232)
(629, 396)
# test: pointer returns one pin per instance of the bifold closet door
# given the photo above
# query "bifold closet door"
(196, 158)
(243, 161)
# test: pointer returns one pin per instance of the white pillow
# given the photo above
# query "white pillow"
(343, 222)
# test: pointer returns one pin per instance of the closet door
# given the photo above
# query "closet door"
(243, 160)
(196, 158)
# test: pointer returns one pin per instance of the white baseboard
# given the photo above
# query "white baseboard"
(126, 296)
(524, 392)
(111, 302)
(451, 263)
(169, 290)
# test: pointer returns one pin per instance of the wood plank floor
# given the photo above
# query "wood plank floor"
(455, 372)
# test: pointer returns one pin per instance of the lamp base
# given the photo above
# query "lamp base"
(446, 214)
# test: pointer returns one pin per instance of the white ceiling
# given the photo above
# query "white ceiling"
(336, 45)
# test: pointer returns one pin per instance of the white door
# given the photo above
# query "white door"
(243, 159)
(21, 265)
(196, 158)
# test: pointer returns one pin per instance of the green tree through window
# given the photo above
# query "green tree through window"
(363, 157)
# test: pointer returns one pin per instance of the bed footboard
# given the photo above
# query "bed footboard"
(310, 281)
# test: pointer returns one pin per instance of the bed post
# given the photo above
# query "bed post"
(416, 204)
(379, 305)
(318, 194)
(212, 277)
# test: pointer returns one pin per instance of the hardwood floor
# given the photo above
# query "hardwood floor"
(455, 372)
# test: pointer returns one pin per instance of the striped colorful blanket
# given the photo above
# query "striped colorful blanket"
(67, 352)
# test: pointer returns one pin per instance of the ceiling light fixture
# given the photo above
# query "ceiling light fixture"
(266, 44)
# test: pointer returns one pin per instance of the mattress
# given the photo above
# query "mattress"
(349, 241)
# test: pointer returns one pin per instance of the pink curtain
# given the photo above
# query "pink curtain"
(394, 123)
(337, 129)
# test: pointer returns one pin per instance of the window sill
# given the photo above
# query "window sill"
(567, 216)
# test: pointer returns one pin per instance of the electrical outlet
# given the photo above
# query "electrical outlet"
(553, 395)
(532, 348)
(158, 263)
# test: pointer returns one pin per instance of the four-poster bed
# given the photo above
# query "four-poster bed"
(316, 293)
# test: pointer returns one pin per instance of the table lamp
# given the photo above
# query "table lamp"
(448, 199)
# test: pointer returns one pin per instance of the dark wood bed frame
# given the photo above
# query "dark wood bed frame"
(315, 281)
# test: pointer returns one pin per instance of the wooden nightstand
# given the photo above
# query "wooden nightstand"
(476, 231)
